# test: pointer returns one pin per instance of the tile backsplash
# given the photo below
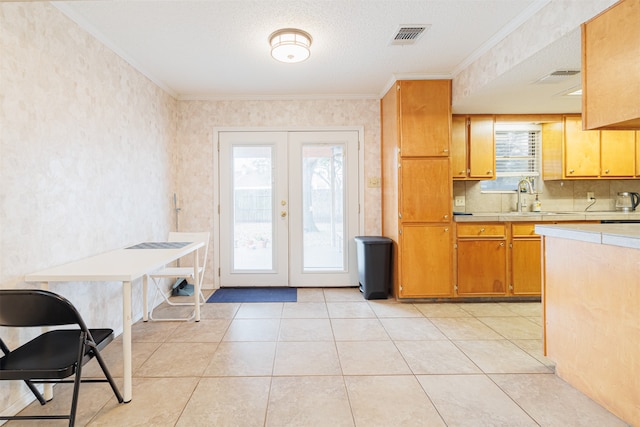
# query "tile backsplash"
(554, 196)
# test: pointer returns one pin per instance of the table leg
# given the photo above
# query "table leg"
(126, 340)
(145, 311)
(197, 284)
(48, 388)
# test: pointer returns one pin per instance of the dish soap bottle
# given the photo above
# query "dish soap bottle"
(537, 206)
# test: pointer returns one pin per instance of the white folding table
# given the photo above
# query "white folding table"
(124, 265)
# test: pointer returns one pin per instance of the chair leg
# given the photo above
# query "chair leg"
(29, 384)
(107, 375)
(159, 291)
(35, 392)
(76, 381)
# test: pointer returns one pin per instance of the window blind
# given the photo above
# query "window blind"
(517, 153)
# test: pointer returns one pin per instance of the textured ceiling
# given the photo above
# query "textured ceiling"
(219, 49)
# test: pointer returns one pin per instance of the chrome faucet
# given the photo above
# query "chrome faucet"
(529, 187)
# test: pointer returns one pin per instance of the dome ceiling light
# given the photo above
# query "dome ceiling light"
(290, 45)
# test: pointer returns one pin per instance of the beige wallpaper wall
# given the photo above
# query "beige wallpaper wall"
(195, 182)
(89, 160)
(86, 148)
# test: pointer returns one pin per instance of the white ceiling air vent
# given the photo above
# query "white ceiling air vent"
(408, 34)
(557, 76)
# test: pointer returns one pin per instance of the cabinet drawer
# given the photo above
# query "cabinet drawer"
(523, 230)
(480, 230)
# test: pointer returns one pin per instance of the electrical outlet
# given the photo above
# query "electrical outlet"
(459, 201)
(590, 196)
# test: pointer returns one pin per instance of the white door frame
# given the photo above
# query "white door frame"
(216, 173)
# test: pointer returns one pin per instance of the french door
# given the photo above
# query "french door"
(288, 208)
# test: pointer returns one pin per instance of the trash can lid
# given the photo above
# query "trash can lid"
(373, 240)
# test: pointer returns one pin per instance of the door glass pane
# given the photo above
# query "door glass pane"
(323, 207)
(252, 208)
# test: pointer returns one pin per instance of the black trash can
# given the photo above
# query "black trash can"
(374, 266)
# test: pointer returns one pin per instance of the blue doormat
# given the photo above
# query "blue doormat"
(254, 295)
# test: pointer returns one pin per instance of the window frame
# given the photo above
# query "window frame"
(535, 175)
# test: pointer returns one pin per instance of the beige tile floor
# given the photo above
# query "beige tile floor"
(334, 359)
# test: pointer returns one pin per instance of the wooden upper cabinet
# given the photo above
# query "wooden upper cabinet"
(425, 117)
(616, 147)
(425, 190)
(611, 68)
(473, 148)
(570, 152)
(638, 153)
(482, 147)
(581, 149)
(459, 155)
(552, 167)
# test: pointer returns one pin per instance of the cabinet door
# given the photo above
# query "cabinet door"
(581, 150)
(617, 153)
(482, 147)
(610, 66)
(526, 268)
(425, 117)
(425, 261)
(552, 135)
(638, 153)
(482, 267)
(459, 147)
(425, 190)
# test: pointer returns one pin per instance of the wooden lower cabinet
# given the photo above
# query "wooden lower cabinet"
(481, 256)
(425, 261)
(482, 267)
(526, 273)
(526, 265)
(501, 259)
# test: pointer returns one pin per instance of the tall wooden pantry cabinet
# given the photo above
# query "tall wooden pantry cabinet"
(417, 186)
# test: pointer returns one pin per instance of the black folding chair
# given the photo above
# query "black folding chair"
(54, 355)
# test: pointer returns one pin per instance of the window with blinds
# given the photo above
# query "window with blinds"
(517, 156)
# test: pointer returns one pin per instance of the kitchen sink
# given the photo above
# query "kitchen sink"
(522, 214)
(534, 213)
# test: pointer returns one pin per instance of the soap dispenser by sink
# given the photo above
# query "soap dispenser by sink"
(537, 205)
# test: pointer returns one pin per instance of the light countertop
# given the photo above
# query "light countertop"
(553, 216)
(625, 235)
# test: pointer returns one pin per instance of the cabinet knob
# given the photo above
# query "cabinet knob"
(461, 173)
(571, 171)
(482, 230)
(446, 216)
(501, 244)
(446, 230)
(606, 171)
(489, 172)
(446, 150)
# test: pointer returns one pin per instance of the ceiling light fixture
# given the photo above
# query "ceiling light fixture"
(572, 92)
(290, 45)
